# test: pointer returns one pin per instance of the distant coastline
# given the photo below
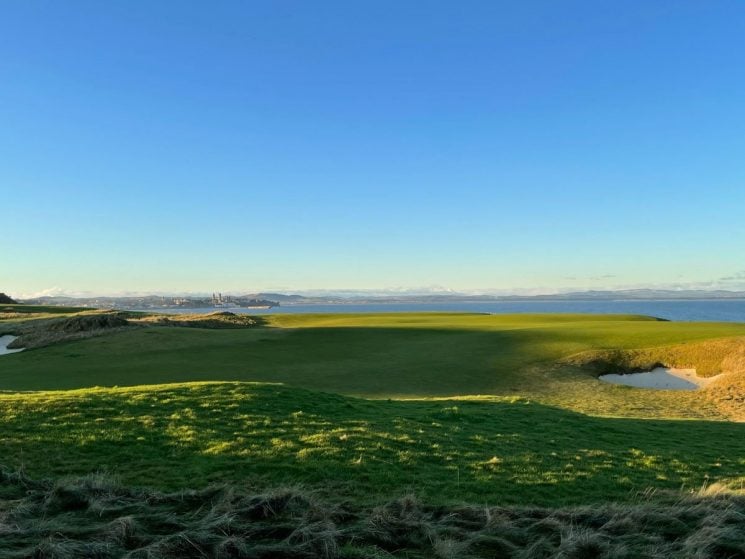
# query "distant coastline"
(271, 300)
(711, 310)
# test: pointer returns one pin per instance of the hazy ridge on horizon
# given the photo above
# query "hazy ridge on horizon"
(342, 296)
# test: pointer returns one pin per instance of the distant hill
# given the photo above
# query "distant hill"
(332, 298)
(6, 300)
(638, 294)
(279, 297)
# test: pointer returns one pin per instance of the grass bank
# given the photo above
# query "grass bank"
(479, 450)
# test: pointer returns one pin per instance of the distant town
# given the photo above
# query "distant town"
(217, 301)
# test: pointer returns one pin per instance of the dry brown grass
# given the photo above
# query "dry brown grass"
(9, 314)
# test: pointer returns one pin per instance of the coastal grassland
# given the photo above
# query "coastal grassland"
(390, 435)
(479, 450)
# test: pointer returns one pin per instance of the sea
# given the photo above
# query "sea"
(712, 310)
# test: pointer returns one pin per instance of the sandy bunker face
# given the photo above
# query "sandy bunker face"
(4, 342)
(661, 378)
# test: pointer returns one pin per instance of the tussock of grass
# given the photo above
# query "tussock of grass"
(94, 516)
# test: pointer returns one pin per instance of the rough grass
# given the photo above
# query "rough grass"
(480, 450)
(728, 394)
(203, 320)
(45, 330)
(94, 516)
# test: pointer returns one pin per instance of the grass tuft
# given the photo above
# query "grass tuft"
(221, 522)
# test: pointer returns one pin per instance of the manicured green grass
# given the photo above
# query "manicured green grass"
(496, 451)
(393, 355)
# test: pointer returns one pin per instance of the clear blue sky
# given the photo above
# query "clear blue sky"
(184, 146)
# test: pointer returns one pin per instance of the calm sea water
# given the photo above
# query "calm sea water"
(704, 310)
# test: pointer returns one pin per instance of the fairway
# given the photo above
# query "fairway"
(376, 356)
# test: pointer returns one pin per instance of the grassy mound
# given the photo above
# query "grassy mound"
(86, 323)
(95, 517)
(479, 450)
(44, 331)
(222, 319)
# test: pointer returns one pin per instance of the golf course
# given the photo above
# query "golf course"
(453, 410)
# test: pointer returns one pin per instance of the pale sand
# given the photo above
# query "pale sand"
(661, 379)
(5, 342)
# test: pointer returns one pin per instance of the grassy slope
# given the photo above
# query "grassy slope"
(501, 451)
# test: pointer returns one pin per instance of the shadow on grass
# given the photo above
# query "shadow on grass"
(364, 361)
(500, 451)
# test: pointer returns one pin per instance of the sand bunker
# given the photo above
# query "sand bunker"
(661, 379)
(5, 342)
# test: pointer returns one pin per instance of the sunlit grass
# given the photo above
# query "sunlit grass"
(497, 450)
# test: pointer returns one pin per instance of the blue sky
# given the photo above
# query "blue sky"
(240, 146)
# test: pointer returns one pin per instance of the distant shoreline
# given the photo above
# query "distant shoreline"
(683, 310)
